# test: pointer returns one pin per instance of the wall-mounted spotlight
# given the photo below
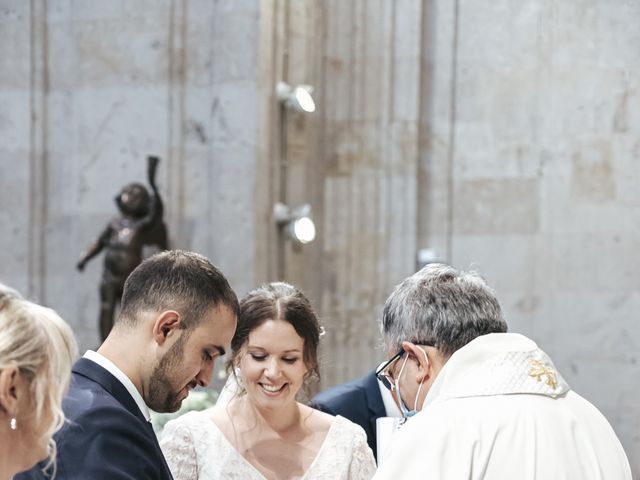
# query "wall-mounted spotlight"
(295, 223)
(297, 98)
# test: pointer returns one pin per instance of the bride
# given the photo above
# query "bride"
(263, 432)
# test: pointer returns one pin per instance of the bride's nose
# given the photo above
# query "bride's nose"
(272, 369)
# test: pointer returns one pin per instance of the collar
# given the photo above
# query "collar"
(109, 366)
(497, 364)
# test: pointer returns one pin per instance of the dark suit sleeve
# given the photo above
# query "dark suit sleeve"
(109, 444)
(323, 407)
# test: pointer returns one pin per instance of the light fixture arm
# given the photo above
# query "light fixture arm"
(283, 91)
(281, 213)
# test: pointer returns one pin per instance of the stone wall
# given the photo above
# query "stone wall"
(530, 173)
(87, 91)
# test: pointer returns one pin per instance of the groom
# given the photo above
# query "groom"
(178, 315)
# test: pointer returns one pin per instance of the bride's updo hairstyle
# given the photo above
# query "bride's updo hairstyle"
(278, 301)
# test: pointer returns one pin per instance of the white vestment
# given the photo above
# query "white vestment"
(499, 410)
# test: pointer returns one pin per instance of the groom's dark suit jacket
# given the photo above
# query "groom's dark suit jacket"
(106, 437)
(359, 401)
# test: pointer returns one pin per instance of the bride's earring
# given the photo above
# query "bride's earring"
(13, 424)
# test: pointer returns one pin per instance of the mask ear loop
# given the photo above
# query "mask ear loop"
(415, 403)
(396, 382)
(402, 367)
(406, 413)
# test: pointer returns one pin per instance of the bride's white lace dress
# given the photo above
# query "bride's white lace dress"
(196, 449)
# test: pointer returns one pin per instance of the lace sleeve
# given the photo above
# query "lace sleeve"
(179, 450)
(363, 465)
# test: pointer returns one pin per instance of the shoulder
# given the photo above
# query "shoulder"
(192, 420)
(190, 428)
(195, 447)
(459, 419)
(343, 424)
(348, 445)
(316, 419)
(323, 422)
(451, 415)
(219, 413)
(86, 399)
(114, 223)
(224, 419)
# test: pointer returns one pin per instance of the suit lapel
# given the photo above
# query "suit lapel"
(111, 384)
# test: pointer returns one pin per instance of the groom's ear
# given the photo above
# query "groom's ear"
(166, 325)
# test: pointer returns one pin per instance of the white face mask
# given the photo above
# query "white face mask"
(406, 413)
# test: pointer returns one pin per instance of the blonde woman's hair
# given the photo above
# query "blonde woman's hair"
(41, 345)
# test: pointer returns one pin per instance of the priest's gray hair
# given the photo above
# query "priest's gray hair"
(442, 307)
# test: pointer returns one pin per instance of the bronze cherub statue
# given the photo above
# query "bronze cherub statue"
(139, 224)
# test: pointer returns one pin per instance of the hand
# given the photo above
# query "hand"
(80, 265)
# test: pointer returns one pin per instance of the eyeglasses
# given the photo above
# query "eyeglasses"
(383, 372)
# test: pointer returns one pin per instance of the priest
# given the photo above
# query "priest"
(481, 403)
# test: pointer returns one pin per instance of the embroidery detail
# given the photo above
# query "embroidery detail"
(542, 372)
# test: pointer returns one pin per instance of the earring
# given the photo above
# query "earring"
(13, 424)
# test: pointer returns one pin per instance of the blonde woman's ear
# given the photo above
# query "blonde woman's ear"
(10, 386)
